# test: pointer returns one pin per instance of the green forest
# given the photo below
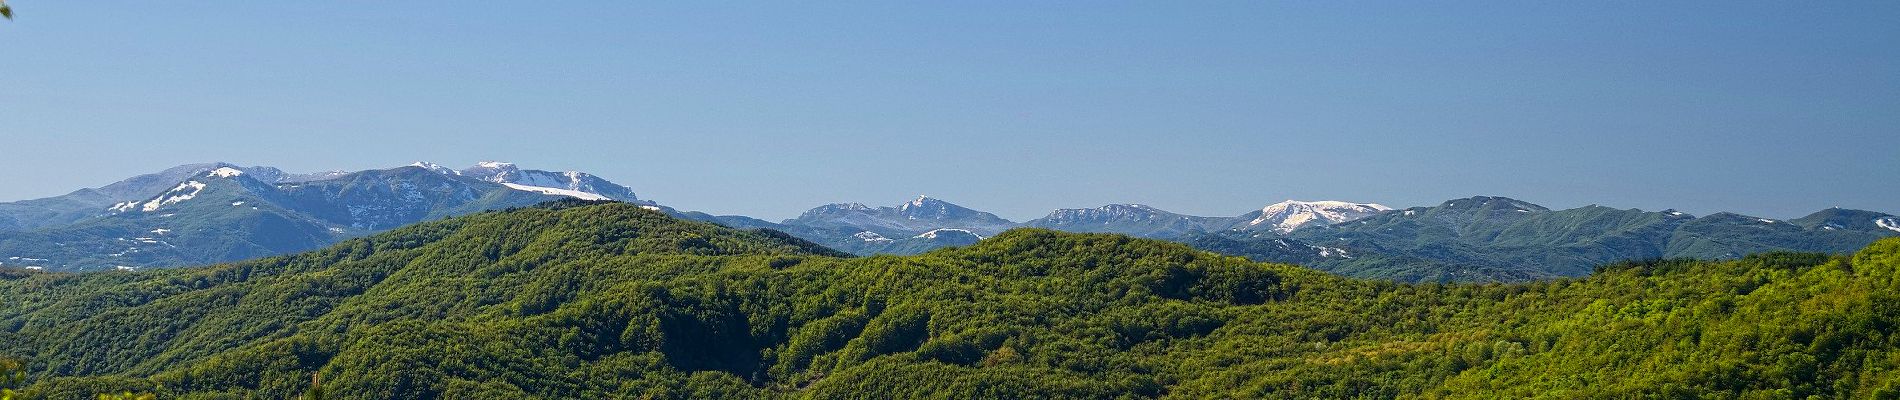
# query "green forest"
(608, 300)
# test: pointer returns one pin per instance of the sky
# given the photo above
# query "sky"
(1772, 109)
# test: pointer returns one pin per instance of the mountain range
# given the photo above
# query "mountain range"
(1483, 238)
(218, 212)
(580, 299)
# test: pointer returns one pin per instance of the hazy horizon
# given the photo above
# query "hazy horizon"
(764, 109)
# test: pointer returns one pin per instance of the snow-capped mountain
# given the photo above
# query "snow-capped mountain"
(1499, 238)
(436, 168)
(905, 220)
(862, 229)
(925, 208)
(1128, 219)
(575, 184)
(1288, 216)
(206, 213)
(93, 202)
(1846, 219)
(222, 212)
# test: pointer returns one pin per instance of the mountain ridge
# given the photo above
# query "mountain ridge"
(577, 299)
(269, 211)
(224, 212)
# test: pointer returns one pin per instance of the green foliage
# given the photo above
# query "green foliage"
(612, 301)
(12, 376)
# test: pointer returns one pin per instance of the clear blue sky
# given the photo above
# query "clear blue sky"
(766, 109)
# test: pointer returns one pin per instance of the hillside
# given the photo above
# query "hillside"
(579, 300)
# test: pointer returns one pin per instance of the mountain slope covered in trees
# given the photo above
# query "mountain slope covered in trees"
(1502, 239)
(578, 300)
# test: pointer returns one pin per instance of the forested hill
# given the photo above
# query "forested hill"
(613, 301)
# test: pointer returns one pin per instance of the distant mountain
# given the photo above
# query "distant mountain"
(1851, 220)
(220, 212)
(868, 242)
(217, 216)
(216, 212)
(909, 219)
(1496, 238)
(917, 226)
(1728, 235)
(92, 202)
(1291, 215)
(1266, 247)
(571, 183)
(1128, 219)
(862, 229)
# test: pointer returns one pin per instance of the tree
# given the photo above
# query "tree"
(12, 374)
(316, 387)
(6, 11)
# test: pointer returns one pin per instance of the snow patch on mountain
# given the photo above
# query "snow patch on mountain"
(184, 191)
(919, 202)
(870, 236)
(557, 192)
(224, 172)
(1290, 215)
(844, 207)
(1333, 252)
(436, 168)
(569, 181)
(1891, 223)
(938, 232)
(1107, 214)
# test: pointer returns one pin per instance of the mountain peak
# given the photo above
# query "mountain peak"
(927, 208)
(570, 183)
(1847, 218)
(910, 218)
(436, 168)
(1129, 219)
(922, 201)
(493, 171)
(1498, 203)
(1291, 215)
(224, 172)
(1111, 211)
(1129, 207)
